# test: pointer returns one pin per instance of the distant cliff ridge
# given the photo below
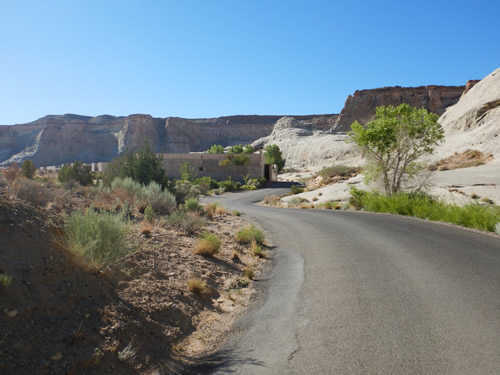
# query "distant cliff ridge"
(57, 139)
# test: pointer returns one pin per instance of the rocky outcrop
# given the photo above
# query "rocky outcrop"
(55, 139)
(361, 106)
(474, 122)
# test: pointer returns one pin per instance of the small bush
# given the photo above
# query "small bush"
(196, 285)
(185, 190)
(205, 184)
(210, 209)
(189, 222)
(236, 213)
(33, 192)
(258, 251)
(250, 234)
(192, 204)
(208, 245)
(149, 214)
(228, 185)
(295, 189)
(5, 280)
(100, 238)
(249, 273)
(162, 201)
(28, 168)
(272, 199)
(356, 199)
(337, 171)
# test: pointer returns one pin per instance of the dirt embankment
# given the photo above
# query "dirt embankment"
(58, 316)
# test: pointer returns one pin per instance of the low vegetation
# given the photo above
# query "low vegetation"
(466, 159)
(99, 238)
(208, 245)
(5, 280)
(196, 285)
(249, 234)
(484, 217)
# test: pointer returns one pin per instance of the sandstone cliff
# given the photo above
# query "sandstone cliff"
(53, 140)
(361, 106)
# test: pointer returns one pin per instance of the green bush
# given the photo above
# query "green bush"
(5, 280)
(228, 185)
(250, 234)
(28, 168)
(78, 172)
(238, 149)
(185, 190)
(425, 207)
(240, 160)
(259, 183)
(356, 199)
(189, 222)
(295, 189)
(192, 204)
(273, 155)
(216, 149)
(100, 238)
(248, 149)
(149, 214)
(208, 245)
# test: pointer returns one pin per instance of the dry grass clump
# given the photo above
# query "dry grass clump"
(466, 159)
(271, 200)
(250, 234)
(208, 245)
(257, 250)
(146, 228)
(188, 222)
(337, 173)
(196, 285)
(249, 273)
(210, 209)
(219, 210)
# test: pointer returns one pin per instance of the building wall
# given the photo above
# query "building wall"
(208, 165)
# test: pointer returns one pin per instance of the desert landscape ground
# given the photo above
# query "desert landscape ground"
(175, 298)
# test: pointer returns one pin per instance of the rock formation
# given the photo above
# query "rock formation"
(474, 122)
(361, 106)
(53, 140)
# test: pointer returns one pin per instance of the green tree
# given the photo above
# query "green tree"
(78, 172)
(187, 172)
(395, 141)
(216, 149)
(248, 149)
(273, 155)
(237, 149)
(28, 168)
(144, 166)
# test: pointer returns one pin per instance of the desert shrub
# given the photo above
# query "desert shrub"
(204, 184)
(208, 245)
(356, 199)
(192, 204)
(128, 185)
(259, 183)
(272, 199)
(189, 222)
(236, 213)
(248, 149)
(185, 190)
(210, 208)
(196, 285)
(228, 185)
(249, 273)
(162, 201)
(240, 159)
(78, 172)
(71, 184)
(426, 207)
(100, 238)
(28, 168)
(5, 280)
(33, 192)
(295, 189)
(337, 170)
(247, 187)
(249, 234)
(258, 251)
(237, 149)
(13, 175)
(149, 214)
(220, 210)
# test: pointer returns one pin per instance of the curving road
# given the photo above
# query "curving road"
(363, 293)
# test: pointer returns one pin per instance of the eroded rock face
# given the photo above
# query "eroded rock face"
(55, 139)
(362, 105)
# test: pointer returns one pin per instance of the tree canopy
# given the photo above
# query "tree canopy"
(216, 149)
(273, 155)
(395, 141)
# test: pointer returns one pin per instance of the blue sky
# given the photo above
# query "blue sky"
(213, 58)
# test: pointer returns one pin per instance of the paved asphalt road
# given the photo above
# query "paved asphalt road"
(363, 293)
